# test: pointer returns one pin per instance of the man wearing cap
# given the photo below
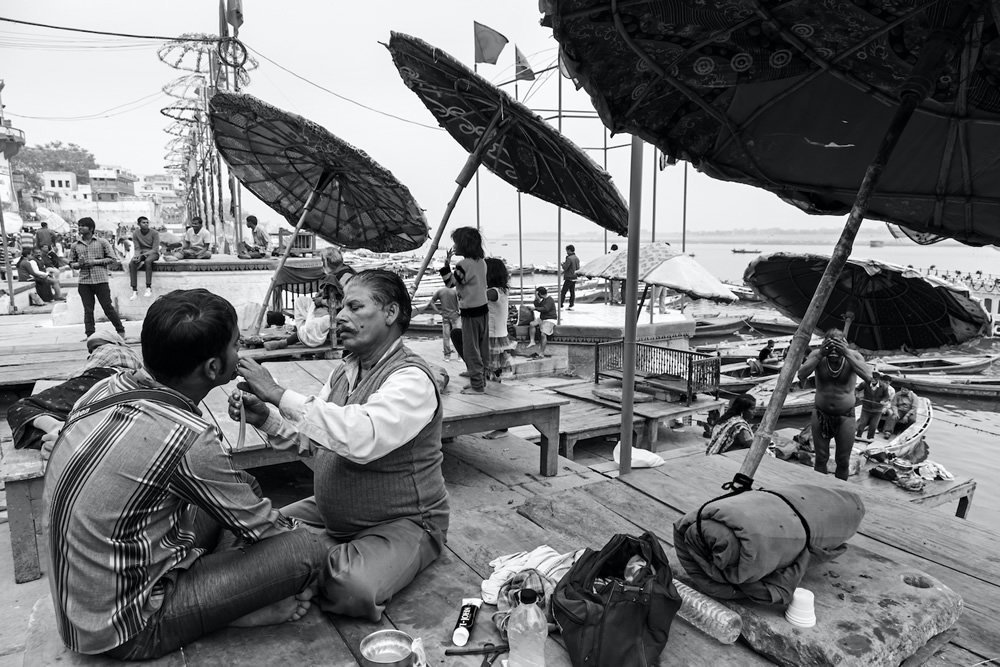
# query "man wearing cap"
(874, 401)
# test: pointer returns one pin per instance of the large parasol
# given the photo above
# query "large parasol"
(808, 100)
(304, 172)
(506, 137)
(883, 307)
(660, 264)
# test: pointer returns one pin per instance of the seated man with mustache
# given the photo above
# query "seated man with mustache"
(154, 538)
(375, 432)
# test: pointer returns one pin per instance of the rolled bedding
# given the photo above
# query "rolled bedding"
(754, 544)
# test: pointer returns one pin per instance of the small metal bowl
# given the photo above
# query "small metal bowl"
(387, 648)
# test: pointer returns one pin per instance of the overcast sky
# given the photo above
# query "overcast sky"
(335, 45)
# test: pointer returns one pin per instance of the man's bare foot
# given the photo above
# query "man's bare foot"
(285, 611)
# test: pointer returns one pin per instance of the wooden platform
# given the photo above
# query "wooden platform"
(501, 505)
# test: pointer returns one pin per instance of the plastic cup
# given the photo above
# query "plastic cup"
(801, 612)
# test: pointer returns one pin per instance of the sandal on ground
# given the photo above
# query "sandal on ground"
(495, 435)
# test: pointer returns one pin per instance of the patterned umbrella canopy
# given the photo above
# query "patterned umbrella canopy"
(525, 151)
(282, 158)
(893, 306)
(660, 264)
(795, 98)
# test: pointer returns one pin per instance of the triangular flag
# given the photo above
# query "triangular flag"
(234, 15)
(522, 70)
(489, 43)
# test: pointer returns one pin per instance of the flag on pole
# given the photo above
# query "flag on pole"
(522, 70)
(489, 43)
(234, 15)
(223, 26)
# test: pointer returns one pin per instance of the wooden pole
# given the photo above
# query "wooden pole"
(324, 180)
(684, 212)
(559, 272)
(631, 312)
(8, 266)
(471, 165)
(935, 53)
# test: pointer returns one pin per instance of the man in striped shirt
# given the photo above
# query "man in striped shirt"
(154, 538)
(92, 256)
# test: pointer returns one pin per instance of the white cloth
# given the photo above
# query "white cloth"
(313, 330)
(392, 416)
(641, 458)
(545, 559)
(498, 314)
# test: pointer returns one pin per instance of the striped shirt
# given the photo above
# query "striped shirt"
(122, 490)
(92, 251)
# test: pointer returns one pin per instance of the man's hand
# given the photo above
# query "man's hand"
(448, 255)
(255, 409)
(259, 382)
(52, 428)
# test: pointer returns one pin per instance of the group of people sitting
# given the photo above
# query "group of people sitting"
(837, 370)
(155, 539)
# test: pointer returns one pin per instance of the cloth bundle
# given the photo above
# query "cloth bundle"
(758, 544)
(546, 560)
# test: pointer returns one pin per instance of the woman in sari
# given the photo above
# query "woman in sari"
(36, 420)
(733, 431)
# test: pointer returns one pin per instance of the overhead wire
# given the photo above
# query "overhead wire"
(134, 104)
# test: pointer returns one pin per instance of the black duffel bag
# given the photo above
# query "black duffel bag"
(610, 620)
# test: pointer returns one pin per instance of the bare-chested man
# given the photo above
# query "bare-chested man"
(837, 371)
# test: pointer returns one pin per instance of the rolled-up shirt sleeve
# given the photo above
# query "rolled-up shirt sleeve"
(392, 416)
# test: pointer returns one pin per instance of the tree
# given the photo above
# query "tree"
(53, 156)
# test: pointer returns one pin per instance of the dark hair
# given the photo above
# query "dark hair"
(570, 248)
(833, 333)
(541, 290)
(44, 224)
(386, 288)
(196, 220)
(86, 222)
(740, 404)
(614, 246)
(185, 328)
(469, 239)
(252, 218)
(770, 343)
(497, 274)
(141, 218)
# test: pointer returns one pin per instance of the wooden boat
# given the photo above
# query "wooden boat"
(736, 378)
(525, 270)
(782, 327)
(902, 443)
(976, 386)
(969, 364)
(743, 292)
(798, 401)
(744, 251)
(876, 244)
(718, 326)
(743, 350)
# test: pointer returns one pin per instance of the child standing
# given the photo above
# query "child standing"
(469, 279)
(497, 289)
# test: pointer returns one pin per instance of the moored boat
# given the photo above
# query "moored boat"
(722, 326)
(975, 386)
(968, 364)
(743, 292)
(745, 251)
(736, 378)
(900, 444)
(772, 326)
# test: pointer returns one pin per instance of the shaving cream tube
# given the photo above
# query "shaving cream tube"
(466, 619)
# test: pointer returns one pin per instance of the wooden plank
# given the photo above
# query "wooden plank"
(510, 461)
(291, 375)
(23, 538)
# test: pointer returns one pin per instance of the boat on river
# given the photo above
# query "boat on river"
(923, 365)
(737, 378)
(743, 292)
(742, 350)
(971, 386)
(902, 443)
(745, 251)
(718, 326)
(773, 326)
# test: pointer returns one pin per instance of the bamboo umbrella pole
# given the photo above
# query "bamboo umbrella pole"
(656, 289)
(520, 237)
(471, 165)
(559, 273)
(631, 313)
(324, 180)
(935, 53)
(684, 212)
(8, 268)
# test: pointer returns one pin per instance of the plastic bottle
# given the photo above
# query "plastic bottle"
(526, 632)
(709, 616)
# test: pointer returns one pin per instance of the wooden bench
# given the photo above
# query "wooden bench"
(652, 412)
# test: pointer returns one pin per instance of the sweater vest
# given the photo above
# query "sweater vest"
(406, 483)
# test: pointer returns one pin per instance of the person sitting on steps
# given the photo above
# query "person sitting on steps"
(545, 323)
(259, 247)
(146, 242)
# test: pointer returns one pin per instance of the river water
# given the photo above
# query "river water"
(964, 436)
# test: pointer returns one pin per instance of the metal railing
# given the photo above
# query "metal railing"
(283, 299)
(700, 372)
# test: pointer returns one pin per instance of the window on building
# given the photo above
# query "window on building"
(84, 196)
(52, 184)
